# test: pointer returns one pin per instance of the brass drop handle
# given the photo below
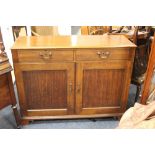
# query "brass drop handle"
(103, 55)
(46, 54)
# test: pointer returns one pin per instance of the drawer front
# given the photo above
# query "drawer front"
(45, 55)
(103, 54)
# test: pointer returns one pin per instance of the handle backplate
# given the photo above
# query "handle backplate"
(46, 54)
(103, 55)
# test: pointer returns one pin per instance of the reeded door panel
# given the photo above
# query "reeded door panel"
(47, 89)
(102, 87)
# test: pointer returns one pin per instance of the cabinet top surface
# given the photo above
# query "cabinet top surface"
(74, 41)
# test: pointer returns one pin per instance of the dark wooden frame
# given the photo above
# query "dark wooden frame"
(149, 73)
(138, 78)
(16, 30)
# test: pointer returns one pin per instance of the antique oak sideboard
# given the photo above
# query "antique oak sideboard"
(64, 77)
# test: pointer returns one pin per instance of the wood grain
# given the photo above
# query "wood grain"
(92, 55)
(72, 42)
(7, 95)
(149, 74)
(5, 98)
(103, 85)
(100, 88)
(75, 82)
(51, 92)
(34, 55)
(45, 86)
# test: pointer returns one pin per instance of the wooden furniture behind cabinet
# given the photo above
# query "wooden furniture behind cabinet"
(7, 95)
(44, 30)
(95, 30)
(141, 60)
(72, 76)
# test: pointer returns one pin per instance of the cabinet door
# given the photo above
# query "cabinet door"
(102, 87)
(45, 89)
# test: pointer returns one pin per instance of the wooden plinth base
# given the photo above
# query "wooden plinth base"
(27, 120)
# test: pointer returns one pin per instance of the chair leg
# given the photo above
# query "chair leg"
(137, 93)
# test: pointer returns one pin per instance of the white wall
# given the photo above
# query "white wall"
(64, 30)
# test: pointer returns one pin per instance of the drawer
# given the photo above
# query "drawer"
(103, 54)
(45, 55)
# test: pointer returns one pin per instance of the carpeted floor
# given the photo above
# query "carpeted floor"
(7, 120)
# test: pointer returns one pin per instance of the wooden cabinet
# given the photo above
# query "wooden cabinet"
(72, 77)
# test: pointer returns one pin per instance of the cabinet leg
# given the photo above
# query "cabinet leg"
(17, 117)
(117, 118)
(25, 122)
(19, 126)
(93, 119)
(13, 100)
